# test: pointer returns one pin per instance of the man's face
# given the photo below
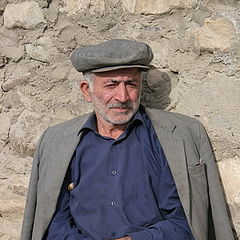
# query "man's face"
(116, 95)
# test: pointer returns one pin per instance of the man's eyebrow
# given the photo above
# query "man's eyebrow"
(117, 81)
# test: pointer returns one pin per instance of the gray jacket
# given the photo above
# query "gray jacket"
(189, 154)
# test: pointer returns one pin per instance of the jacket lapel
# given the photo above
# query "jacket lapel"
(173, 147)
(60, 159)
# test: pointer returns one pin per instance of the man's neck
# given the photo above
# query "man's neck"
(110, 130)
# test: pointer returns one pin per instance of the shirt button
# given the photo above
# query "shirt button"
(113, 203)
(114, 172)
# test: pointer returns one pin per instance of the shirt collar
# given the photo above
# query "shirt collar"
(90, 123)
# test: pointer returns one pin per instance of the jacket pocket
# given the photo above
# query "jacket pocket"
(198, 180)
(199, 199)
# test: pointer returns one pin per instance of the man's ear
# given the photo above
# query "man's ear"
(84, 86)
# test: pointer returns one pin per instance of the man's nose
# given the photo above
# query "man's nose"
(121, 93)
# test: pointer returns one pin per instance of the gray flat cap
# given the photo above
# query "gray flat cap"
(111, 55)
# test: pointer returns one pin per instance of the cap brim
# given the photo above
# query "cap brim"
(107, 69)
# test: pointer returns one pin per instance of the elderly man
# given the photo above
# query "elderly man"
(123, 172)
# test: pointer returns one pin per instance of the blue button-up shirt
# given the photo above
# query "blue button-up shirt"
(122, 187)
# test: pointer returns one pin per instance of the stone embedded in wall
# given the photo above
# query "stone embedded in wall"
(15, 75)
(72, 7)
(130, 5)
(161, 54)
(25, 133)
(230, 174)
(23, 15)
(13, 82)
(217, 34)
(44, 3)
(5, 128)
(13, 186)
(14, 53)
(43, 50)
(3, 61)
(210, 99)
(234, 207)
(52, 11)
(12, 104)
(221, 5)
(9, 45)
(156, 89)
(1, 90)
(1, 77)
(8, 38)
(157, 6)
(60, 72)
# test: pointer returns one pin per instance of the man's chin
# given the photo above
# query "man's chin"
(118, 120)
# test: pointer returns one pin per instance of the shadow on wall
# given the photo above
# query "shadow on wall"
(156, 90)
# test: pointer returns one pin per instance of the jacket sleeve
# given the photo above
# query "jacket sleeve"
(29, 214)
(221, 229)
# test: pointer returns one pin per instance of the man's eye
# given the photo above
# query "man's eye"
(132, 84)
(110, 85)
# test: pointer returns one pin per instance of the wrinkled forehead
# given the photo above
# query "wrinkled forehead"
(128, 73)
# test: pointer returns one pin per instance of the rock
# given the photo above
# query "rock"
(130, 5)
(216, 35)
(52, 11)
(3, 61)
(16, 74)
(211, 99)
(60, 72)
(73, 7)
(222, 4)
(5, 128)
(156, 90)
(8, 38)
(43, 50)
(230, 174)
(60, 115)
(25, 133)
(23, 15)
(157, 6)
(160, 53)
(12, 83)
(3, 4)
(14, 53)
(44, 3)
(1, 78)
(12, 198)
(9, 45)
(12, 105)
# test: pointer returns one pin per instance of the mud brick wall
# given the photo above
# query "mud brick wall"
(197, 73)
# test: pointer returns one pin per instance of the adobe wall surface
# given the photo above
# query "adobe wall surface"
(197, 73)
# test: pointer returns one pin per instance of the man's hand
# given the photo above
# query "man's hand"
(123, 238)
